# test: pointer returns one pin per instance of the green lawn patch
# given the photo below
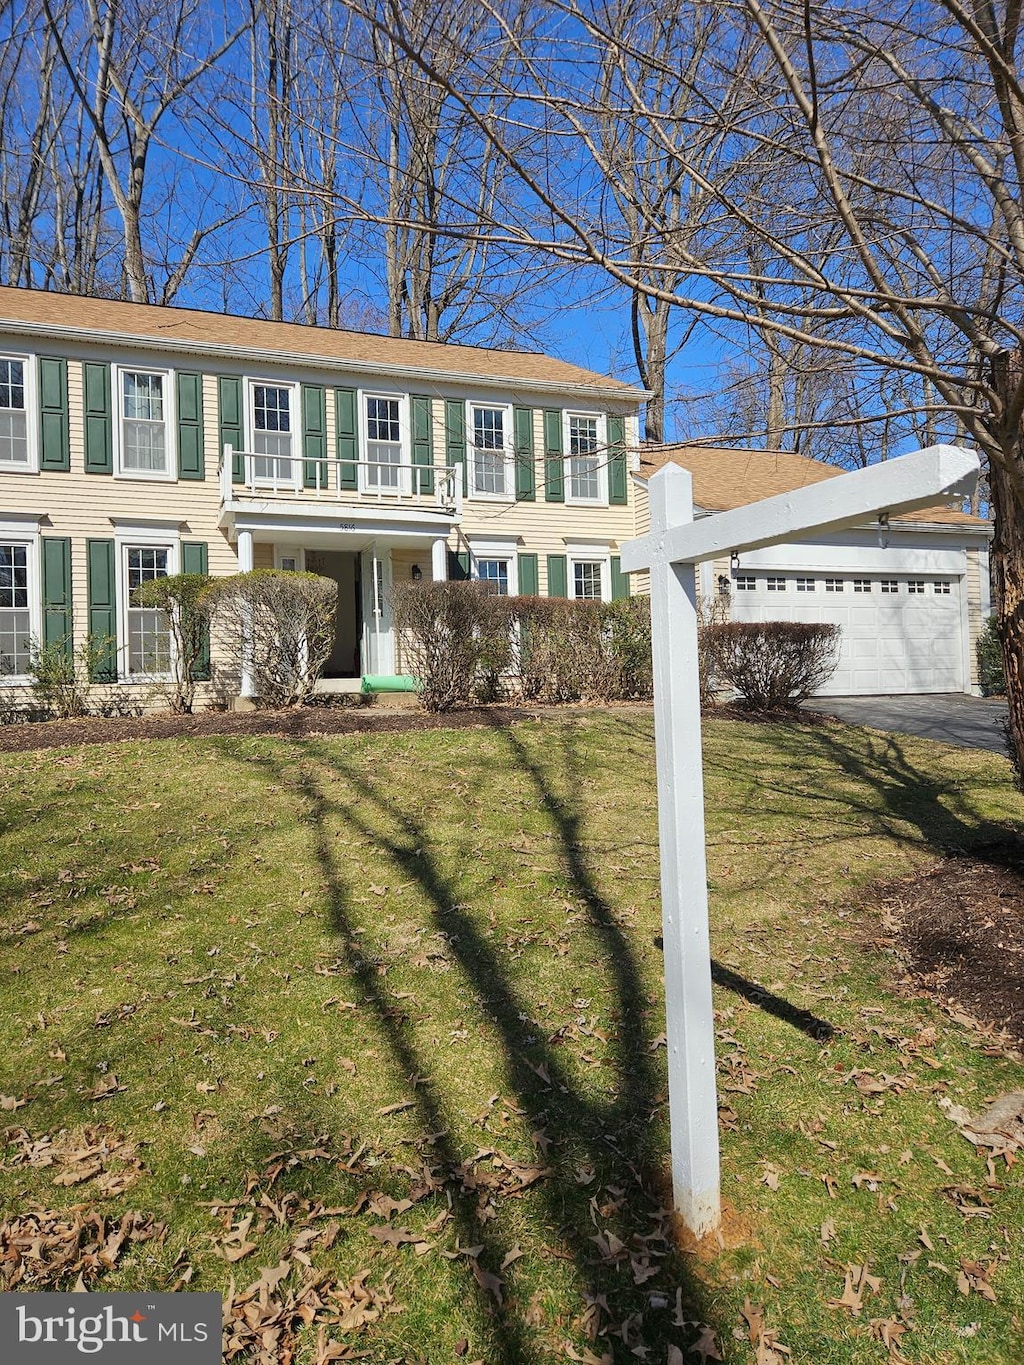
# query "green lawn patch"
(367, 1032)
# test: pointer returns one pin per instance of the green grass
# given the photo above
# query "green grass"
(272, 943)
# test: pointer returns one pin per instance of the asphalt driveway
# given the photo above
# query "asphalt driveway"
(953, 718)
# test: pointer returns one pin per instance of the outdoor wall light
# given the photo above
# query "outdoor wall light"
(417, 573)
(883, 530)
(734, 561)
(723, 585)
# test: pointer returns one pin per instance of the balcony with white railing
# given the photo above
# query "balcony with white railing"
(303, 483)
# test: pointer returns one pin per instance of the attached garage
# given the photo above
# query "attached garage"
(909, 598)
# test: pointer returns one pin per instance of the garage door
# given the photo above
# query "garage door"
(899, 634)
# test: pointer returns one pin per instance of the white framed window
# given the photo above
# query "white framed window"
(18, 446)
(289, 558)
(387, 452)
(589, 571)
(494, 562)
(586, 458)
(144, 550)
(942, 587)
(834, 585)
(745, 582)
(272, 414)
(144, 423)
(775, 584)
(805, 585)
(889, 585)
(915, 586)
(18, 590)
(862, 585)
(491, 454)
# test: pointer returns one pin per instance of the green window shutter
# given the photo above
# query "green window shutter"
(102, 609)
(314, 436)
(620, 580)
(195, 559)
(558, 576)
(528, 578)
(458, 566)
(423, 441)
(455, 437)
(56, 556)
(232, 427)
(99, 457)
(617, 492)
(554, 463)
(54, 437)
(191, 456)
(526, 478)
(347, 437)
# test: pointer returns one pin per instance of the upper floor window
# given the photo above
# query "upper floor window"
(272, 433)
(383, 444)
(14, 427)
(15, 613)
(587, 462)
(490, 459)
(144, 444)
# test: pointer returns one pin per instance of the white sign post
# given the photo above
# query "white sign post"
(671, 551)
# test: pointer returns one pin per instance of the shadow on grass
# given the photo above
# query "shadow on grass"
(610, 1135)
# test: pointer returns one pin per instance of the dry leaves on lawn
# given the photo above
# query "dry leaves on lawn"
(48, 1248)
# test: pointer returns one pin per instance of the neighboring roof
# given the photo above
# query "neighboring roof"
(74, 317)
(724, 478)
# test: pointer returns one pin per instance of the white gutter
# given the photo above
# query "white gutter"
(222, 350)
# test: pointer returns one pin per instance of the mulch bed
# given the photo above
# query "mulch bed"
(959, 929)
(312, 720)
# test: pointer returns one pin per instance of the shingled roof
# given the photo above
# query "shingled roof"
(191, 331)
(725, 478)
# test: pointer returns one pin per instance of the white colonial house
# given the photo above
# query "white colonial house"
(910, 596)
(138, 441)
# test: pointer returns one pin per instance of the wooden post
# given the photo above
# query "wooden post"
(689, 1032)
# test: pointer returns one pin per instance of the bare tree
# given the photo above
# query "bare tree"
(901, 129)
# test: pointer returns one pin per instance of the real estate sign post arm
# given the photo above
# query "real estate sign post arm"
(671, 551)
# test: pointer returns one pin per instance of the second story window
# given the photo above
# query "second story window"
(383, 444)
(490, 457)
(143, 422)
(585, 482)
(272, 432)
(14, 448)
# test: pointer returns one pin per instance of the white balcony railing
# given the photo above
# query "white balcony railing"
(332, 480)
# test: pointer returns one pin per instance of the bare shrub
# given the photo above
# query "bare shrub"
(774, 665)
(281, 623)
(185, 603)
(440, 623)
(711, 612)
(61, 675)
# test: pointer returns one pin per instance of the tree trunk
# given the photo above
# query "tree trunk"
(1006, 485)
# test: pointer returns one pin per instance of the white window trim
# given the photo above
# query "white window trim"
(496, 549)
(508, 451)
(589, 554)
(170, 475)
(603, 455)
(295, 552)
(31, 413)
(24, 530)
(295, 411)
(152, 535)
(404, 487)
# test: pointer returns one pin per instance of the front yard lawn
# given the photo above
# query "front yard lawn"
(365, 1032)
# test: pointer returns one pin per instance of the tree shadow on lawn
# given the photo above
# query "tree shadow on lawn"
(626, 1197)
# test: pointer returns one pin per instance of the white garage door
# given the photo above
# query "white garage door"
(899, 634)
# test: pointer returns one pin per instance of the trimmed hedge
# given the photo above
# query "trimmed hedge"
(991, 678)
(773, 665)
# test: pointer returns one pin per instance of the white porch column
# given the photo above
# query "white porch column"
(247, 689)
(690, 1033)
(245, 552)
(439, 560)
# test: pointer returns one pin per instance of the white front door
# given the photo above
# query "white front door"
(378, 631)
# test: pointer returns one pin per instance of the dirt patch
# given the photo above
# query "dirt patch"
(959, 929)
(313, 720)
